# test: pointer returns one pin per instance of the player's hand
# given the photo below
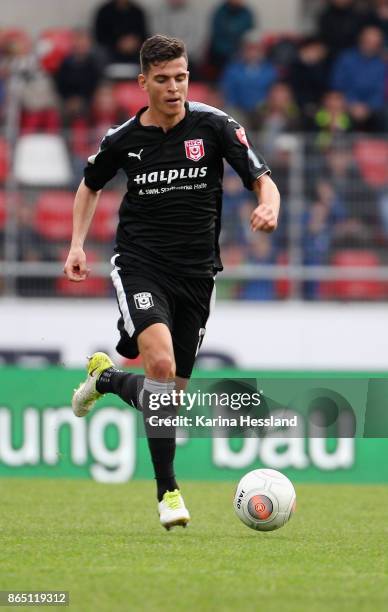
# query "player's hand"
(264, 218)
(75, 266)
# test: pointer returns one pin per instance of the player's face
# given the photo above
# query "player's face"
(166, 85)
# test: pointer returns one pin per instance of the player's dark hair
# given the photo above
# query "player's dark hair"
(159, 49)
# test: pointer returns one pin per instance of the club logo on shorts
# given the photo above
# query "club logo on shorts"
(241, 135)
(143, 301)
(195, 149)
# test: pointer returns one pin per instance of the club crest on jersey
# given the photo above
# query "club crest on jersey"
(143, 301)
(241, 135)
(195, 149)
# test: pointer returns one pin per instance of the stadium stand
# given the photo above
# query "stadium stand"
(333, 181)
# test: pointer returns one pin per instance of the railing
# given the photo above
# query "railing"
(331, 242)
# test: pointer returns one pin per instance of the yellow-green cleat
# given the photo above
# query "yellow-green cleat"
(172, 510)
(86, 395)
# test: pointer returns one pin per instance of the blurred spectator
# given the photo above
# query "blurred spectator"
(378, 16)
(359, 200)
(34, 88)
(359, 73)
(247, 79)
(120, 28)
(88, 130)
(282, 50)
(309, 74)
(105, 110)
(317, 239)
(260, 251)
(385, 113)
(339, 25)
(39, 104)
(185, 20)
(31, 247)
(234, 227)
(230, 21)
(331, 119)
(322, 220)
(277, 115)
(78, 76)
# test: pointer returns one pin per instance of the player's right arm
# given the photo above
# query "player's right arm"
(84, 208)
(99, 170)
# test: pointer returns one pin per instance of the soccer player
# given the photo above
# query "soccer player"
(167, 251)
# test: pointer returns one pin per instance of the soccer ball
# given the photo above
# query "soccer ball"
(264, 500)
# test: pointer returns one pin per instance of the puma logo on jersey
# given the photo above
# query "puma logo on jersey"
(138, 155)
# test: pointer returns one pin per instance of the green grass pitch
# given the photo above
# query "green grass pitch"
(103, 543)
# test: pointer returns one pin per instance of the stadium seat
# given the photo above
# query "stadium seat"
(105, 219)
(15, 37)
(130, 97)
(199, 92)
(354, 289)
(91, 287)
(371, 155)
(4, 160)
(282, 285)
(2, 210)
(41, 160)
(94, 286)
(53, 46)
(54, 215)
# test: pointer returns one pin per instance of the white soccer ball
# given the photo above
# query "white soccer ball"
(265, 499)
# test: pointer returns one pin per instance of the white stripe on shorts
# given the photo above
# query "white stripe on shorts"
(121, 297)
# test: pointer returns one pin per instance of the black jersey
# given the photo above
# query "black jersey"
(170, 217)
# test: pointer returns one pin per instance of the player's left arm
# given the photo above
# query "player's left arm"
(254, 173)
(265, 215)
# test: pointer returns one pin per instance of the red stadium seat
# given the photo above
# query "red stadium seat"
(371, 156)
(54, 215)
(357, 289)
(105, 219)
(130, 97)
(282, 285)
(53, 46)
(94, 286)
(199, 92)
(2, 210)
(15, 37)
(4, 160)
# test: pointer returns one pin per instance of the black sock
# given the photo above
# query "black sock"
(161, 440)
(125, 385)
(162, 454)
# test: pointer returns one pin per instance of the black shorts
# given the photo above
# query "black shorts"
(183, 304)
